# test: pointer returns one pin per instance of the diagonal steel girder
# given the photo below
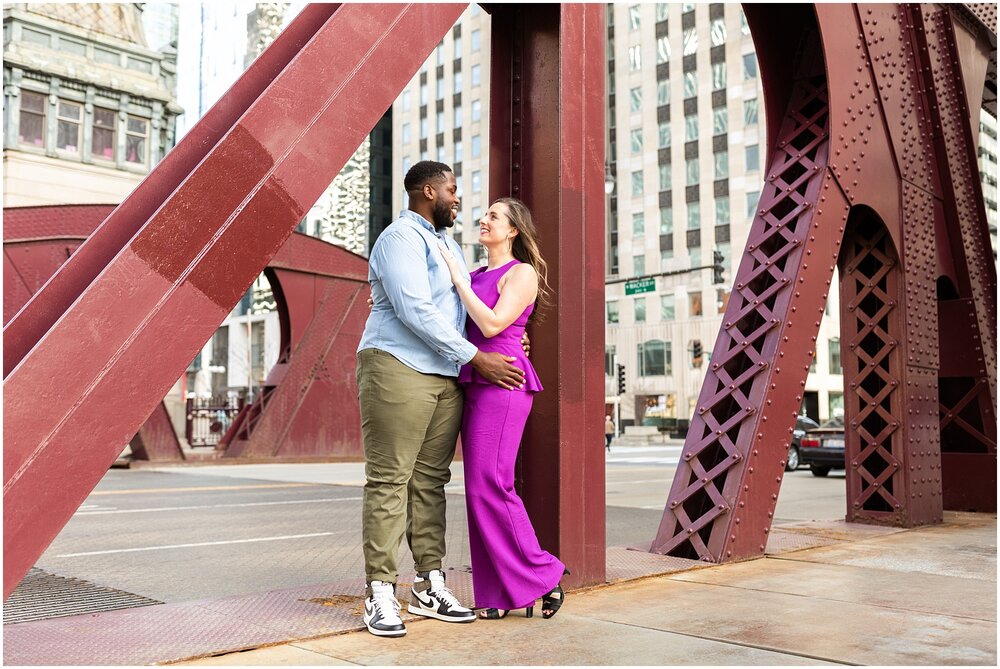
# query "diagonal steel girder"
(79, 394)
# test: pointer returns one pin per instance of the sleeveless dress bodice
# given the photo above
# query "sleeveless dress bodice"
(508, 342)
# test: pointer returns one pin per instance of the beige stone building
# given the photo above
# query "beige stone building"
(89, 107)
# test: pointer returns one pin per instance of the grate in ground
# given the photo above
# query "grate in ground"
(41, 595)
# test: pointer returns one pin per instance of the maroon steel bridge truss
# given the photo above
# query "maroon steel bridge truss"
(86, 362)
(872, 114)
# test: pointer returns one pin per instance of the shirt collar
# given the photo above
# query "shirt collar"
(419, 220)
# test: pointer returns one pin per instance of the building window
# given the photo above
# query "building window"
(693, 215)
(690, 84)
(637, 183)
(690, 127)
(634, 17)
(718, 76)
(718, 32)
(667, 308)
(458, 81)
(32, 122)
(752, 199)
(440, 154)
(70, 116)
(476, 70)
(135, 140)
(439, 89)
(458, 151)
(439, 51)
(722, 210)
(753, 158)
(634, 58)
(457, 115)
(721, 300)
(727, 254)
(639, 265)
(666, 221)
(744, 26)
(835, 367)
(406, 133)
(440, 123)
(477, 182)
(750, 112)
(423, 128)
(749, 66)
(477, 110)
(721, 164)
(694, 255)
(720, 121)
(476, 41)
(665, 256)
(103, 141)
(662, 93)
(694, 303)
(664, 176)
(476, 146)
(609, 360)
(638, 224)
(636, 141)
(406, 101)
(653, 358)
(612, 312)
(836, 404)
(661, 11)
(407, 162)
(663, 50)
(640, 309)
(635, 99)
(423, 94)
(690, 41)
(458, 47)
(691, 176)
(663, 135)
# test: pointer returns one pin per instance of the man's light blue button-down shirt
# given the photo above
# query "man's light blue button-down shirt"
(417, 315)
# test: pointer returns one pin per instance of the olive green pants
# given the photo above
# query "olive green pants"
(409, 425)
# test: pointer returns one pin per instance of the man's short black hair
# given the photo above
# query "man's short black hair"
(424, 172)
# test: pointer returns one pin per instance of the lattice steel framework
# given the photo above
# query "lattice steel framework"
(870, 144)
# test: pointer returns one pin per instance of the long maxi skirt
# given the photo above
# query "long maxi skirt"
(509, 569)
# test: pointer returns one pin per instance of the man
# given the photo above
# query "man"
(411, 405)
(609, 432)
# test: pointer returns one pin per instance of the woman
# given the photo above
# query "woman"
(509, 568)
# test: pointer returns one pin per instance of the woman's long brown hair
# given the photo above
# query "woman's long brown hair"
(525, 248)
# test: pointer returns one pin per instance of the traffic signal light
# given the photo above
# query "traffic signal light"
(696, 353)
(717, 259)
(621, 379)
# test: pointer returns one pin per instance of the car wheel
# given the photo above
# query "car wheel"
(819, 471)
(792, 463)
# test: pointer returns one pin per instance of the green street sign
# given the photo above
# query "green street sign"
(636, 286)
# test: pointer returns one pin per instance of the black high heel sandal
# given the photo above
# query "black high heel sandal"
(500, 614)
(553, 599)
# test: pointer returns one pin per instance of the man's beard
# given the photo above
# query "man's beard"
(442, 216)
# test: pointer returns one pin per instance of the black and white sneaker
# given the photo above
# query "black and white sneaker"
(432, 598)
(382, 611)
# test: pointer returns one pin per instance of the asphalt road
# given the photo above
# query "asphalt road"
(181, 534)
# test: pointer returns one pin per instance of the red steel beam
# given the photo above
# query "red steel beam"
(547, 149)
(87, 386)
(48, 304)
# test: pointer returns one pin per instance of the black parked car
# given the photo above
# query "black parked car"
(802, 425)
(822, 448)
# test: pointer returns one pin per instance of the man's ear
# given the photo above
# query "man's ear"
(428, 191)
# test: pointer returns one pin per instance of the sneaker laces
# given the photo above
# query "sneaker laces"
(441, 591)
(387, 605)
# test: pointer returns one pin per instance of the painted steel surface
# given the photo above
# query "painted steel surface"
(870, 144)
(189, 264)
(547, 149)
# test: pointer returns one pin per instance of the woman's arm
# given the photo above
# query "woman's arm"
(518, 288)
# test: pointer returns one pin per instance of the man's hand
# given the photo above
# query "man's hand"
(496, 368)
(526, 344)
(371, 301)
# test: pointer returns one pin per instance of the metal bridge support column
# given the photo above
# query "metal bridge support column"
(547, 149)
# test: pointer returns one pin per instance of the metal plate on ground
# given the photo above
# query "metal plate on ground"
(42, 595)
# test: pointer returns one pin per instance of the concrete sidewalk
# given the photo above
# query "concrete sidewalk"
(879, 596)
